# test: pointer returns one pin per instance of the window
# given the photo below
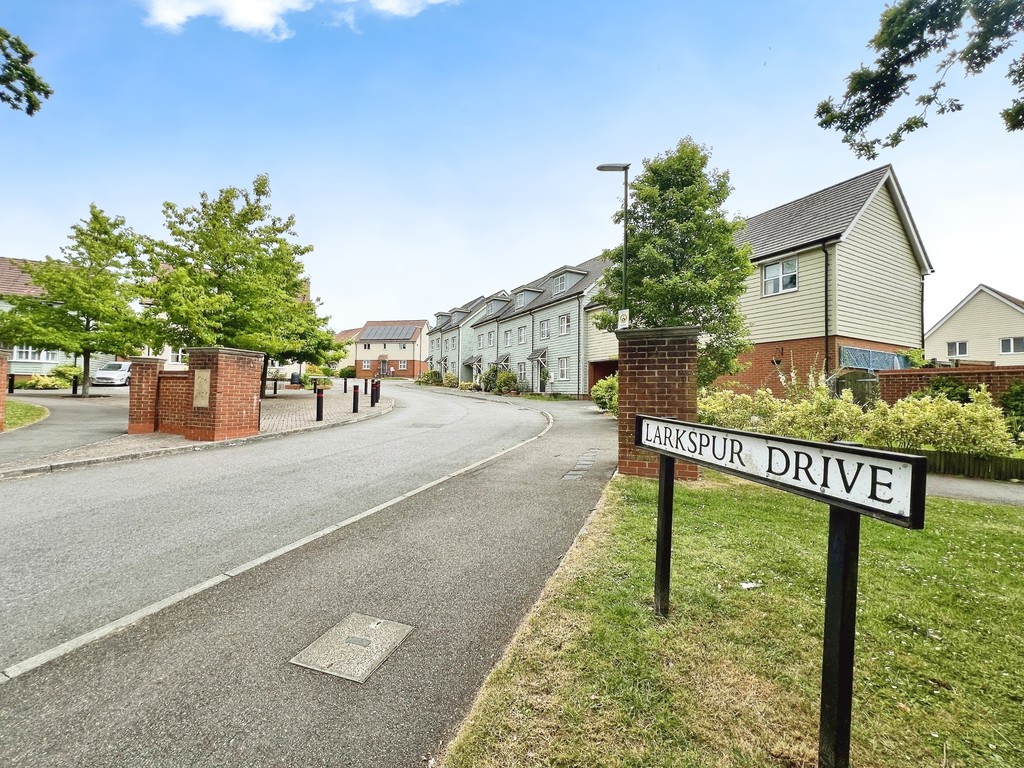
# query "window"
(559, 285)
(522, 334)
(522, 371)
(385, 346)
(1012, 346)
(508, 338)
(545, 331)
(403, 345)
(366, 365)
(956, 349)
(490, 338)
(366, 346)
(479, 341)
(563, 369)
(520, 299)
(563, 325)
(31, 353)
(779, 277)
(446, 345)
(403, 365)
(178, 356)
(490, 307)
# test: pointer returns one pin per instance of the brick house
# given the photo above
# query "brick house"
(838, 282)
(390, 348)
(987, 326)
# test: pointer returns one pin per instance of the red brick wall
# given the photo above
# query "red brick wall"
(893, 385)
(164, 400)
(801, 355)
(4, 369)
(657, 377)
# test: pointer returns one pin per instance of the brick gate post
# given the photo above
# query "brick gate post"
(4, 370)
(142, 398)
(657, 377)
(230, 406)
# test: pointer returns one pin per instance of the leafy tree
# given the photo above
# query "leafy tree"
(909, 32)
(684, 264)
(85, 306)
(230, 275)
(20, 87)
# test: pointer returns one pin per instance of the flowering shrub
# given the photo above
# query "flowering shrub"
(465, 386)
(814, 416)
(724, 408)
(451, 380)
(45, 382)
(605, 394)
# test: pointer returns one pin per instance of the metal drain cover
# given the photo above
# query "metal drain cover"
(354, 648)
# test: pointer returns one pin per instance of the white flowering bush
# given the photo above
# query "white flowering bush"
(822, 417)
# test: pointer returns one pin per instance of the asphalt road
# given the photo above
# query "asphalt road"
(207, 681)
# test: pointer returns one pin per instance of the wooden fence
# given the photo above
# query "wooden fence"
(995, 468)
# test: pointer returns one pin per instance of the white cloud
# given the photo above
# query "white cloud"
(266, 17)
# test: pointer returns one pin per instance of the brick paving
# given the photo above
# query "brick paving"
(287, 412)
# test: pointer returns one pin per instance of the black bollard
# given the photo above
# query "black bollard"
(373, 393)
(376, 391)
(320, 405)
(355, 398)
(74, 385)
(10, 383)
(275, 386)
(344, 385)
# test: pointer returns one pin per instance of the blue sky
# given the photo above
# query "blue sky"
(435, 150)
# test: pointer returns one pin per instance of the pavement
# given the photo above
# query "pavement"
(84, 431)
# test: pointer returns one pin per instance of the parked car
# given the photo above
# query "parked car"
(114, 374)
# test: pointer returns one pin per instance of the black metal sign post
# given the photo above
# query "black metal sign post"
(853, 481)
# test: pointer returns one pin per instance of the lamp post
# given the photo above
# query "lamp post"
(624, 167)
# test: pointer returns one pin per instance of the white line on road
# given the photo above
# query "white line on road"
(117, 625)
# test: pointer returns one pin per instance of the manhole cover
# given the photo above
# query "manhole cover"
(354, 648)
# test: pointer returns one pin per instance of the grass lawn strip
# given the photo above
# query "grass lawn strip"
(732, 677)
(18, 414)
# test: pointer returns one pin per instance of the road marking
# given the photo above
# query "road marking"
(117, 625)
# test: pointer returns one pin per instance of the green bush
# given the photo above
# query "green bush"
(431, 378)
(505, 382)
(348, 372)
(605, 393)
(725, 408)
(489, 378)
(451, 380)
(66, 373)
(465, 386)
(953, 388)
(813, 415)
(976, 427)
(45, 382)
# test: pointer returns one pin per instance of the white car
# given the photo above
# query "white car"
(114, 374)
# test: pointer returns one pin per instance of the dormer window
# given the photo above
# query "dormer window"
(559, 285)
(490, 307)
(520, 299)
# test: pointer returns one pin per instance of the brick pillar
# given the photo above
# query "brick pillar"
(657, 377)
(233, 408)
(4, 370)
(142, 397)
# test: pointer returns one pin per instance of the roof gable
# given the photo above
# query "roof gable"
(982, 288)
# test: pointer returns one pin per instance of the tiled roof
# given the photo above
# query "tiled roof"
(1007, 296)
(13, 281)
(391, 330)
(823, 215)
(592, 269)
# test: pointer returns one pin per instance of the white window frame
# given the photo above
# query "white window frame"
(558, 285)
(520, 299)
(956, 349)
(403, 365)
(508, 338)
(775, 276)
(564, 325)
(490, 307)
(366, 365)
(366, 346)
(563, 369)
(479, 341)
(178, 356)
(545, 329)
(34, 355)
(521, 367)
(402, 345)
(1011, 345)
(446, 345)
(490, 338)
(522, 334)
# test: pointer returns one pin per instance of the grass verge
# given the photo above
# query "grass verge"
(22, 414)
(732, 676)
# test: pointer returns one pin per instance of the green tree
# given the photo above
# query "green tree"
(909, 32)
(85, 306)
(230, 275)
(20, 87)
(684, 264)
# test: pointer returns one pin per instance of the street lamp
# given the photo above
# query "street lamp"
(624, 167)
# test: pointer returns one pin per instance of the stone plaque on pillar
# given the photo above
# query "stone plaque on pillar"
(201, 388)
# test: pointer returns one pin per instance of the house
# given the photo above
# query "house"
(838, 282)
(390, 348)
(448, 345)
(987, 326)
(25, 360)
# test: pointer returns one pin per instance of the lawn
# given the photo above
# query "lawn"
(22, 414)
(732, 676)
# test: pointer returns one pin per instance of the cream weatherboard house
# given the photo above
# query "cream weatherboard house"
(987, 326)
(838, 282)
